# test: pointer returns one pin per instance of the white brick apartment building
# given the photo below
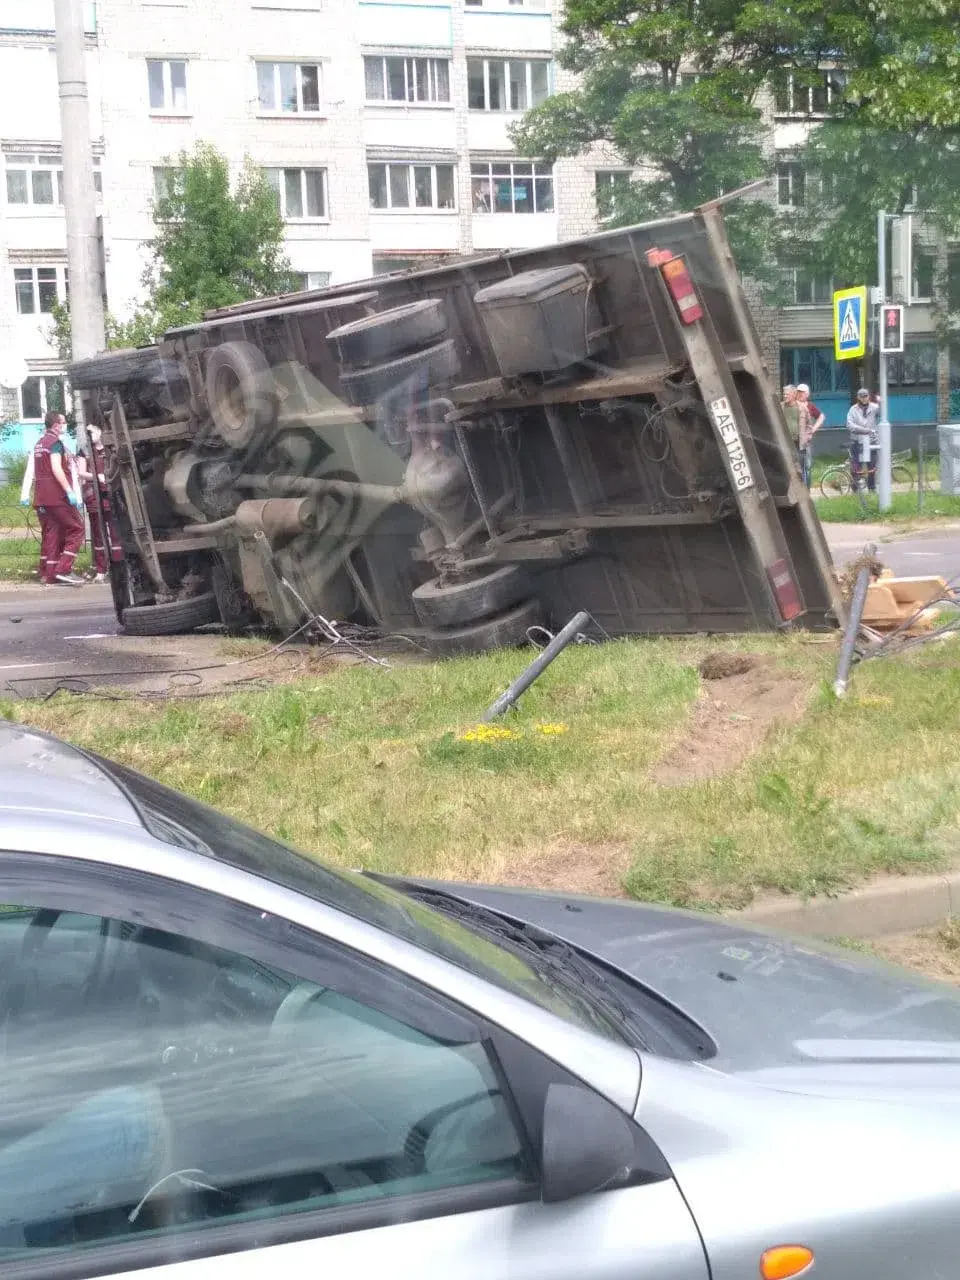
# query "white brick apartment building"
(382, 123)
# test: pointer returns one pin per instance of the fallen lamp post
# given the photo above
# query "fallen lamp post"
(540, 663)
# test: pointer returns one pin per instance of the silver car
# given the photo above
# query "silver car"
(223, 1059)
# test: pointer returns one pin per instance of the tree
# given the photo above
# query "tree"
(213, 247)
(673, 86)
(892, 144)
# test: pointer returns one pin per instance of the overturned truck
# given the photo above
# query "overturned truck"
(466, 452)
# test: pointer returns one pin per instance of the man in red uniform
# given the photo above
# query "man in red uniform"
(94, 479)
(61, 527)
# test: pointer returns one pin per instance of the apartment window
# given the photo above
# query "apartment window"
(802, 96)
(791, 184)
(34, 179)
(407, 79)
(311, 279)
(165, 182)
(167, 80)
(411, 186)
(917, 366)
(511, 186)
(301, 193)
(611, 187)
(496, 84)
(807, 288)
(39, 395)
(289, 88)
(39, 289)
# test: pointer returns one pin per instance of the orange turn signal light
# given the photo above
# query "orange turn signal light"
(785, 1261)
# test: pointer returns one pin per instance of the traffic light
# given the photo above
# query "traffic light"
(891, 330)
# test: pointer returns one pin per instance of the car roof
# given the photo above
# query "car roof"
(40, 774)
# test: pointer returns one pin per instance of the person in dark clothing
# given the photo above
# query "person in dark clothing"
(103, 536)
(61, 526)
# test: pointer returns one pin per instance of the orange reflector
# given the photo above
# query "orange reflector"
(784, 590)
(678, 281)
(784, 1261)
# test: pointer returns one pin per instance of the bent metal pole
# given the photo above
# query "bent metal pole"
(854, 617)
(539, 665)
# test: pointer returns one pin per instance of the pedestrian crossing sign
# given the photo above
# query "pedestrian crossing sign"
(850, 323)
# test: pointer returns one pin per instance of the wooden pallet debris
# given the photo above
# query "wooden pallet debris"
(892, 601)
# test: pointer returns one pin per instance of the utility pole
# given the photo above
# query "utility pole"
(79, 196)
(884, 484)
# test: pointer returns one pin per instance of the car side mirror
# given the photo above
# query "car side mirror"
(587, 1144)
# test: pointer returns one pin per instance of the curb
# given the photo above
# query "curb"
(893, 906)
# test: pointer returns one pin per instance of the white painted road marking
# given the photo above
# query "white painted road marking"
(22, 666)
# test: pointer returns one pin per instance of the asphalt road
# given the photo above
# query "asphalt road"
(933, 552)
(53, 631)
(48, 633)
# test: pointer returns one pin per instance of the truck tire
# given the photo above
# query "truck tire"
(421, 369)
(171, 619)
(241, 392)
(459, 603)
(114, 368)
(504, 631)
(376, 338)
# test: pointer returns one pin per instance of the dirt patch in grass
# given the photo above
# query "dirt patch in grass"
(935, 952)
(732, 718)
(597, 869)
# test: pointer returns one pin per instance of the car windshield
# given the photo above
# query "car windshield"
(177, 819)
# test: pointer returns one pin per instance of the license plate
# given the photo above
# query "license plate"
(729, 433)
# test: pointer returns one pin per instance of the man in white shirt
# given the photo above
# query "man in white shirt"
(862, 423)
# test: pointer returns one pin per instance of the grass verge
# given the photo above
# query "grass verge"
(903, 510)
(389, 770)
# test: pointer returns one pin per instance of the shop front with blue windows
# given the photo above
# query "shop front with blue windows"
(912, 383)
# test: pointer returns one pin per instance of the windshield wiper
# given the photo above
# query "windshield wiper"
(549, 955)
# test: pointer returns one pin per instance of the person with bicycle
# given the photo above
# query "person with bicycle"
(862, 420)
(811, 420)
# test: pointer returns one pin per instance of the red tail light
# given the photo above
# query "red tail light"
(785, 590)
(682, 291)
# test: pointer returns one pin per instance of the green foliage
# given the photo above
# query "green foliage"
(863, 168)
(214, 246)
(672, 88)
(15, 465)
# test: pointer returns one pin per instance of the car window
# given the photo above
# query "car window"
(156, 1084)
(181, 820)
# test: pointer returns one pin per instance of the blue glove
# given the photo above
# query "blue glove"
(74, 501)
(24, 502)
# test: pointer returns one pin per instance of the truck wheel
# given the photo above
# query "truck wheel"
(504, 631)
(458, 603)
(376, 338)
(114, 368)
(419, 370)
(171, 619)
(241, 392)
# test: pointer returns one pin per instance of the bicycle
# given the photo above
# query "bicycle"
(837, 481)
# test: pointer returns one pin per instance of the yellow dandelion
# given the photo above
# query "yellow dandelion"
(487, 733)
(552, 730)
